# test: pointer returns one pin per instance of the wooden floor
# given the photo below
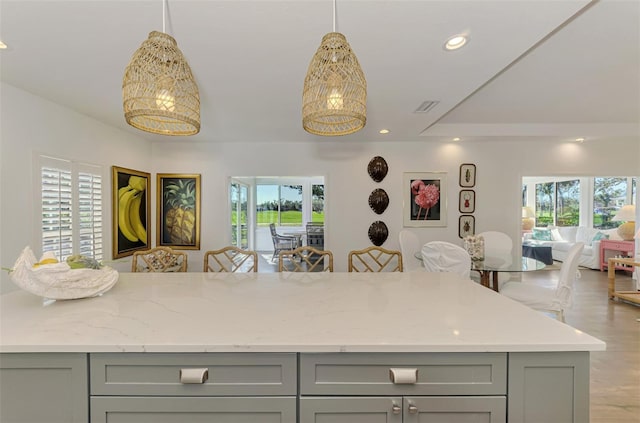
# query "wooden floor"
(615, 373)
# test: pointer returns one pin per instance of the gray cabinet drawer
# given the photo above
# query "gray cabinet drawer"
(193, 409)
(159, 374)
(437, 373)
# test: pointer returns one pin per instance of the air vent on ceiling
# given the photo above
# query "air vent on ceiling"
(426, 106)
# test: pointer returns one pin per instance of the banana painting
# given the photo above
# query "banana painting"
(134, 218)
(129, 203)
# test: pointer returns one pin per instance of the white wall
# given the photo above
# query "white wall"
(500, 167)
(30, 123)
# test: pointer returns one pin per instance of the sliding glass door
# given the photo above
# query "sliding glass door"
(239, 194)
(288, 202)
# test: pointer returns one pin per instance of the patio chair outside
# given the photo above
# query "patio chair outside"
(281, 242)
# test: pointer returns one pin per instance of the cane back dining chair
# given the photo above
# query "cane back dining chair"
(159, 259)
(442, 256)
(375, 259)
(305, 259)
(230, 259)
(554, 299)
(281, 242)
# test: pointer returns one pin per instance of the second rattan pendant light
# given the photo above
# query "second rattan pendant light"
(334, 98)
(159, 92)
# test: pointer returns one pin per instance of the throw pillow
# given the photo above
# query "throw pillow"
(598, 236)
(555, 235)
(542, 234)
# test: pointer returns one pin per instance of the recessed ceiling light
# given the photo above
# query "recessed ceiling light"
(2, 45)
(456, 42)
(384, 131)
(456, 139)
(579, 139)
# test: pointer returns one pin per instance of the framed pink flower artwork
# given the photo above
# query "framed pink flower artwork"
(425, 199)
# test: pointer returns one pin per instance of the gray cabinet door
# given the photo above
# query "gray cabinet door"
(44, 388)
(351, 410)
(549, 387)
(455, 409)
(489, 409)
(193, 409)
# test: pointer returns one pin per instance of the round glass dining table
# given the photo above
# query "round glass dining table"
(494, 264)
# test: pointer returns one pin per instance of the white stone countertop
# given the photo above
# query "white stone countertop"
(285, 312)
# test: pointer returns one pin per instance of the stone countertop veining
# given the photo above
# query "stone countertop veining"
(285, 312)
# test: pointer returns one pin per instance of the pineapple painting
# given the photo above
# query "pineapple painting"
(179, 217)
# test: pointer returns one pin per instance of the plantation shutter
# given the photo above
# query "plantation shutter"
(71, 198)
(90, 211)
(57, 202)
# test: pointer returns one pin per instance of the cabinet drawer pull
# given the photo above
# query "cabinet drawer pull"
(413, 409)
(396, 409)
(194, 375)
(403, 375)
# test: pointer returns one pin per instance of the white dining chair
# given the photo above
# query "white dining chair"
(497, 244)
(555, 299)
(409, 246)
(442, 256)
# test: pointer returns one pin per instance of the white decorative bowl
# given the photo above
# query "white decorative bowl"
(58, 281)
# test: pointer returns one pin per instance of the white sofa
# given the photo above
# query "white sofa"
(563, 237)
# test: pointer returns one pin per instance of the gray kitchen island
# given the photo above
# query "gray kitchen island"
(290, 347)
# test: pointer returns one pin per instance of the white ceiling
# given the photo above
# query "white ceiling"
(545, 69)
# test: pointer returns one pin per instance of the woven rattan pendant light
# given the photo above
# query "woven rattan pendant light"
(159, 93)
(335, 91)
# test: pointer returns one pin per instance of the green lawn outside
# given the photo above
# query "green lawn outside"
(289, 218)
(317, 217)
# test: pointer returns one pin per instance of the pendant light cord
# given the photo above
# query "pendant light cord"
(164, 11)
(334, 15)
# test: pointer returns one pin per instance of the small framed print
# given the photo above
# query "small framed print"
(467, 203)
(467, 175)
(466, 226)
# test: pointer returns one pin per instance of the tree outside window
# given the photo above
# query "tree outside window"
(317, 203)
(568, 203)
(609, 194)
(545, 194)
